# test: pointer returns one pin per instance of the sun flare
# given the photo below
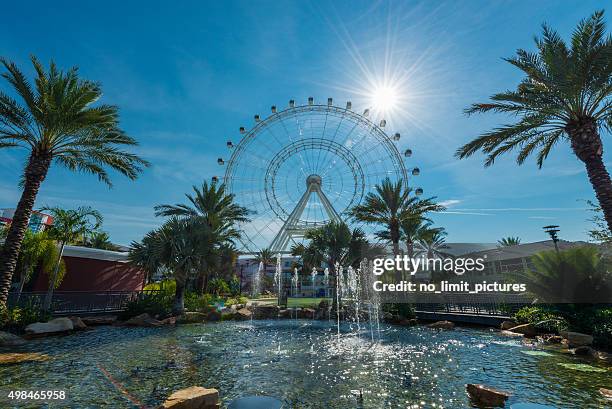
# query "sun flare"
(384, 98)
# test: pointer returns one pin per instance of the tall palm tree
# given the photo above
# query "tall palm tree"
(57, 122)
(265, 256)
(388, 206)
(183, 245)
(214, 205)
(99, 240)
(509, 241)
(69, 226)
(564, 97)
(413, 230)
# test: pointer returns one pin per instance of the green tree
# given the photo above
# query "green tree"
(389, 206)
(57, 122)
(265, 256)
(214, 205)
(509, 241)
(38, 251)
(99, 240)
(185, 246)
(577, 275)
(564, 97)
(69, 226)
(600, 232)
(432, 243)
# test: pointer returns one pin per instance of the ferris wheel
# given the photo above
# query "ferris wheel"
(306, 165)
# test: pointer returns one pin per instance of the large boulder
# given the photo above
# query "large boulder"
(262, 312)
(526, 329)
(442, 325)
(576, 339)
(78, 323)
(285, 313)
(19, 357)
(506, 325)
(190, 317)
(195, 397)
(53, 327)
(408, 322)
(606, 393)
(168, 321)
(100, 320)
(602, 356)
(486, 396)
(511, 334)
(10, 340)
(244, 314)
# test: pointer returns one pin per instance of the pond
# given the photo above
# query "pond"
(304, 364)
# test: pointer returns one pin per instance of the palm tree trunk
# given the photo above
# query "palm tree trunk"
(35, 173)
(49, 296)
(179, 298)
(587, 145)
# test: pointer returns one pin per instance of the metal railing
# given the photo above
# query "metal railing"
(79, 302)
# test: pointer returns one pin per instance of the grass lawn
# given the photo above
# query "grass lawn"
(293, 302)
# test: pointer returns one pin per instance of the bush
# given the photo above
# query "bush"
(235, 300)
(152, 304)
(17, 318)
(168, 287)
(542, 318)
(403, 310)
(596, 321)
(218, 286)
(200, 303)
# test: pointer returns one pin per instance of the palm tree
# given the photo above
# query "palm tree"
(432, 243)
(509, 241)
(413, 229)
(389, 206)
(38, 251)
(57, 123)
(99, 240)
(264, 256)
(183, 245)
(578, 275)
(69, 226)
(564, 97)
(214, 205)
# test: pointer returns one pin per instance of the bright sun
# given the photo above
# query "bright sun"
(384, 98)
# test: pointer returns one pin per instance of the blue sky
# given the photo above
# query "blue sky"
(186, 75)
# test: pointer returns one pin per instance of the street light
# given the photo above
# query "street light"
(552, 231)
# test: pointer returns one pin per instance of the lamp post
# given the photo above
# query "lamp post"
(552, 231)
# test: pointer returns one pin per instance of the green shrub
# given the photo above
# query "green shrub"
(17, 318)
(402, 310)
(542, 318)
(152, 304)
(201, 303)
(597, 321)
(236, 300)
(218, 286)
(168, 287)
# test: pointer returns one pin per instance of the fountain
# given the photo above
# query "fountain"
(294, 281)
(278, 276)
(313, 276)
(257, 280)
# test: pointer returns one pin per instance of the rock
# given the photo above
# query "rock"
(576, 339)
(408, 323)
(190, 317)
(526, 329)
(324, 305)
(55, 326)
(244, 314)
(506, 325)
(78, 323)
(10, 340)
(582, 350)
(306, 313)
(229, 315)
(168, 321)
(442, 325)
(101, 320)
(602, 356)
(511, 334)
(213, 315)
(487, 396)
(606, 393)
(265, 312)
(17, 358)
(549, 339)
(284, 313)
(142, 320)
(195, 397)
